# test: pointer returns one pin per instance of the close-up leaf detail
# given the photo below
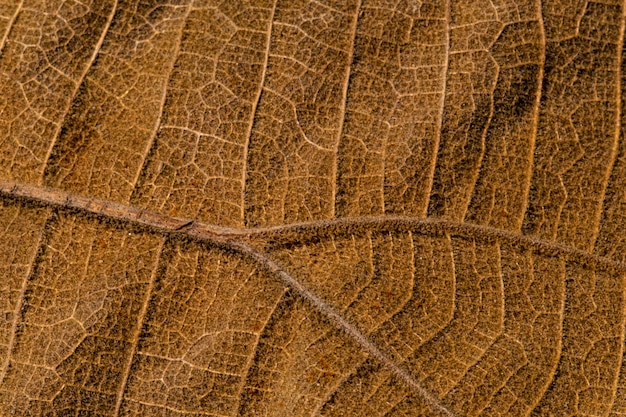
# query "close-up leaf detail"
(312, 208)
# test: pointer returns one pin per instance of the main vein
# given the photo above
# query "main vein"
(236, 238)
(296, 231)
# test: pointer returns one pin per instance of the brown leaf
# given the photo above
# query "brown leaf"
(289, 208)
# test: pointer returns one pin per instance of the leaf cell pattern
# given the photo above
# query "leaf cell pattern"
(324, 208)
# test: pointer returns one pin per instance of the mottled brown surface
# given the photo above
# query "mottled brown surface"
(300, 208)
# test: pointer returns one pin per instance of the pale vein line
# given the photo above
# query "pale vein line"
(140, 319)
(535, 127)
(342, 112)
(383, 177)
(20, 303)
(618, 127)
(559, 346)
(79, 82)
(431, 169)
(157, 125)
(449, 318)
(343, 324)
(371, 277)
(458, 319)
(622, 334)
(493, 343)
(481, 157)
(10, 26)
(297, 231)
(336, 387)
(255, 106)
(255, 350)
(514, 372)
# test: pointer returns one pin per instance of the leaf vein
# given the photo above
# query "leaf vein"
(19, 306)
(79, 83)
(343, 324)
(255, 106)
(157, 126)
(10, 26)
(140, 319)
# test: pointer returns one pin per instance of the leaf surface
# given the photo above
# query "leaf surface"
(278, 208)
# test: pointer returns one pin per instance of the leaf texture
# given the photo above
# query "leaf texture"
(312, 208)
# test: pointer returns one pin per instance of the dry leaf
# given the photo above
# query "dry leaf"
(290, 208)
